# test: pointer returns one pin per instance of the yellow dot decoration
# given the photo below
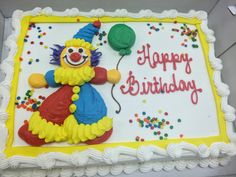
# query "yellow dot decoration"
(76, 89)
(72, 108)
(75, 97)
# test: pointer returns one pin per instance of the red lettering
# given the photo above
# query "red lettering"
(154, 59)
(157, 86)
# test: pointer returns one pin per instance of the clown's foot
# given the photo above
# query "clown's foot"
(28, 137)
(101, 139)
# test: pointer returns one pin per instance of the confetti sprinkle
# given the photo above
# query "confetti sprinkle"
(186, 31)
(194, 45)
(154, 28)
(153, 123)
(101, 38)
(27, 102)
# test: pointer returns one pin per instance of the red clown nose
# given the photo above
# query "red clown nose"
(75, 57)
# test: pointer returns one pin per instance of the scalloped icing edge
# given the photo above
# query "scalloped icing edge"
(145, 158)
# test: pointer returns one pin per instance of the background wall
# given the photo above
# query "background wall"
(1, 31)
(224, 25)
(8, 6)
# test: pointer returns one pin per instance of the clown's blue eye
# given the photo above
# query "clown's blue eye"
(70, 50)
(80, 50)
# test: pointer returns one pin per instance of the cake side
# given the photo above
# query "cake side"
(112, 155)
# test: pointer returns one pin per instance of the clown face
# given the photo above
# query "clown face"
(75, 57)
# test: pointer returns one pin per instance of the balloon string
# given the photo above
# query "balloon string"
(117, 65)
(113, 86)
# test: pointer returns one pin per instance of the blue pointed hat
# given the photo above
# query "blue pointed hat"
(88, 31)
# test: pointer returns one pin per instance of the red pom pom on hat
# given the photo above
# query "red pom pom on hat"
(97, 24)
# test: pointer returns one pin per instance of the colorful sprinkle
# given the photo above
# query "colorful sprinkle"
(101, 38)
(194, 45)
(28, 103)
(153, 123)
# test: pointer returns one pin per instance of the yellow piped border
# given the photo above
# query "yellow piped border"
(35, 151)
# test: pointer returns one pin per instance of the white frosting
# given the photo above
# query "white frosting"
(126, 168)
(141, 156)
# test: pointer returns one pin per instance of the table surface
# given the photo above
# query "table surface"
(226, 171)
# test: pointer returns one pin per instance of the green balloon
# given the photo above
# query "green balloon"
(121, 38)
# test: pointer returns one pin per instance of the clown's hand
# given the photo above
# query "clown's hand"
(37, 80)
(113, 76)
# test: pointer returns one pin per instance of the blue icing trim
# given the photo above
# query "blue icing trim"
(49, 76)
(90, 105)
(86, 33)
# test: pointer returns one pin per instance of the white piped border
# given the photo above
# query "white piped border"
(114, 160)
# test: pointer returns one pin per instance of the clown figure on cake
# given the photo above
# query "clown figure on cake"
(76, 112)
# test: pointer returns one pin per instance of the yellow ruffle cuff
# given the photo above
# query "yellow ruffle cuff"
(70, 131)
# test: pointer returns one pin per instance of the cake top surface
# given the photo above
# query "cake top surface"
(170, 92)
